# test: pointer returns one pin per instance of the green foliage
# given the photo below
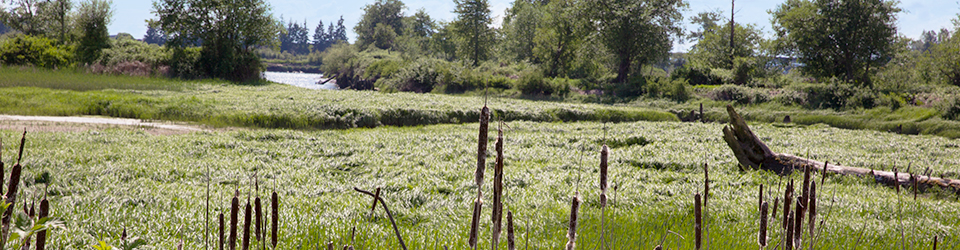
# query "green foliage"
(663, 87)
(943, 61)
(228, 37)
(714, 51)
(561, 35)
(184, 63)
(33, 50)
(92, 21)
(696, 75)
(532, 82)
(382, 21)
(472, 31)
(739, 94)
(844, 39)
(126, 49)
(950, 108)
(636, 32)
(520, 25)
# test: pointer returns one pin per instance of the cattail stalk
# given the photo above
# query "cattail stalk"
(275, 218)
(698, 222)
(258, 219)
(812, 211)
(222, 236)
(762, 235)
(12, 193)
(604, 154)
(797, 224)
(497, 216)
(706, 196)
(246, 225)
(787, 199)
(43, 213)
(482, 145)
(511, 243)
(475, 223)
(572, 228)
(788, 237)
(234, 218)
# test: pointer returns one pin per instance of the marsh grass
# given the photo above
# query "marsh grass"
(113, 177)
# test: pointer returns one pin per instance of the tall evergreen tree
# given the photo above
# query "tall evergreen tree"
(472, 30)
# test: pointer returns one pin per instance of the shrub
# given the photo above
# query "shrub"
(950, 108)
(662, 87)
(183, 63)
(738, 94)
(743, 70)
(696, 75)
(33, 50)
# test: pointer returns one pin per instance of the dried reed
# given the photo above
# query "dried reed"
(812, 211)
(511, 243)
(572, 228)
(482, 145)
(497, 216)
(275, 218)
(475, 223)
(234, 212)
(762, 235)
(258, 219)
(221, 232)
(247, 214)
(43, 213)
(604, 154)
(698, 221)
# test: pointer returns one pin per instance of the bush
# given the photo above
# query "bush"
(738, 94)
(950, 108)
(183, 63)
(662, 87)
(696, 75)
(743, 70)
(33, 50)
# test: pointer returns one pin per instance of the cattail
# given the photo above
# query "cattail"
(43, 213)
(330, 245)
(376, 197)
(896, 180)
(497, 216)
(275, 218)
(221, 232)
(762, 235)
(475, 223)
(698, 221)
(787, 199)
(913, 179)
(511, 245)
(706, 185)
(2, 166)
(572, 229)
(760, 196)
(658, 247)
(246, 225)
(806, 186)
(31, 212)
(604, 153)
(234, 212)
(934, 242)
(482, 145)
(776, 203)
(258, 219)
(812, 210)
(823, 174)
(788, 241)
(798, 223)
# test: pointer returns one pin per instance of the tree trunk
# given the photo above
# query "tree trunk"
(753, 153)
(623, 69)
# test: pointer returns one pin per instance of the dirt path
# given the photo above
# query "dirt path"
(85, 123)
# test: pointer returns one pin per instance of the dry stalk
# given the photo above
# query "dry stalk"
(706, 196)
(247, 214)
(812, 211)
(258, 219)
(275, 218)
(234, 218)
(497, 216)
(475, 223)
(698, 221)
(389, 215)
(572, 228)
(511, 243)
(44, 212)
(376, 196)
(221, 232)
(762, 235)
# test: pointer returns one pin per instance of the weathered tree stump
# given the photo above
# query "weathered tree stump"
(754, 154)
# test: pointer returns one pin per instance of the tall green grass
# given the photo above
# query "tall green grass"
(155, 185)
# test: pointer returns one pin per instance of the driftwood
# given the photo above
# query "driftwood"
(753, 153)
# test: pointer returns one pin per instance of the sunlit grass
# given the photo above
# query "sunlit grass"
(155, 185)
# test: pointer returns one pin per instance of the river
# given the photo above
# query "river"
(303, 80)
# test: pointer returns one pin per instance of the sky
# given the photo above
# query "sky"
(918, 15)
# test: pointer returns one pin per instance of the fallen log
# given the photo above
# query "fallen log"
(754, 154)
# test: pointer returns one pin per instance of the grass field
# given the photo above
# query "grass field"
(154, 186)
(105, 180)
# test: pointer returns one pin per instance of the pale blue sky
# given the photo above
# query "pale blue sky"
(918, 15)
